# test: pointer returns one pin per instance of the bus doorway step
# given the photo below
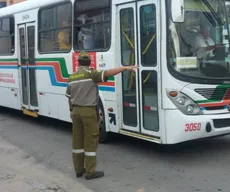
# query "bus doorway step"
(30, 113)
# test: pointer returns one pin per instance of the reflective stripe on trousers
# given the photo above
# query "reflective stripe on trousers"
(78, 150)
(86, 153)
(90, 154)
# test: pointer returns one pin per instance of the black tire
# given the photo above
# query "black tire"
(103, 136)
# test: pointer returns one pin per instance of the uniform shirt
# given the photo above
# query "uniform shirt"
(82, 87)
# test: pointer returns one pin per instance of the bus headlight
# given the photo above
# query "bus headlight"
(190, 109)
(185, 104)
(180, 100)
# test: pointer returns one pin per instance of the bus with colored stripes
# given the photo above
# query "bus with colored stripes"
(180, 92)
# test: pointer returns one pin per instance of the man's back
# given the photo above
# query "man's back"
(83, 87)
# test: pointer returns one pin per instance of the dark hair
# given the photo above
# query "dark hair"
(84, 62)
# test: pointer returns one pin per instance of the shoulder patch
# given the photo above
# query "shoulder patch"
(76, 76)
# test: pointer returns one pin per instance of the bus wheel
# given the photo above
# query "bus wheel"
(103, 136)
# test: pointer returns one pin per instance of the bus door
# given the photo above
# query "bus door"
(138, 46)
(27, 74)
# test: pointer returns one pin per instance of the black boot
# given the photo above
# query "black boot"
(80, 174)
(95, 175)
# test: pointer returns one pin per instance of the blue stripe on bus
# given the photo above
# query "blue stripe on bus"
(104, 88)
(52, 76)
(8, 67)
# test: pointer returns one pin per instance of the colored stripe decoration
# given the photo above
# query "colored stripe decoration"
(218, 97)
(57, 70)
(8, 64)
(108, 86)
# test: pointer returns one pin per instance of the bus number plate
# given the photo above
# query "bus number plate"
(189, 127)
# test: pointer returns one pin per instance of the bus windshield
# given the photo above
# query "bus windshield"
(199, 47)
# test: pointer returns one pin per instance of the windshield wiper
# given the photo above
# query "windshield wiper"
(212, 11)
(207, 15)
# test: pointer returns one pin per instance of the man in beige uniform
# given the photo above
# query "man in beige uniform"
(83, 95)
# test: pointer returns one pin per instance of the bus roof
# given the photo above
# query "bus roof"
(27, 5)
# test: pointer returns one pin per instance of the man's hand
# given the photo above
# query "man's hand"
(131, 68)
(115, 71)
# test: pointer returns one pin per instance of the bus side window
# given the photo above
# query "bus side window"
(127, 36)
(64, 22)
(7, 36)
(55, 28)
(148, 35)
(92, 25)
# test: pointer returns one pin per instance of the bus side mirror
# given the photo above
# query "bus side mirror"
(177, 11)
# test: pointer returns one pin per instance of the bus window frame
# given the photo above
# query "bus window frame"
(14, 35)
(74, 30)
(53, 6)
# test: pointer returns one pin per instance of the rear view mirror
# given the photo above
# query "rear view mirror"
(177, 11)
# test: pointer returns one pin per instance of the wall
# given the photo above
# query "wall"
(2, 3)
(11, 2)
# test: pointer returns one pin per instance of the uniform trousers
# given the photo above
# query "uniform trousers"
(85, 138)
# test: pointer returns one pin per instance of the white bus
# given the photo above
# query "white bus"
(180, 92)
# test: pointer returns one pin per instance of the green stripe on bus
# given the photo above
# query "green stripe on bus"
(8, 60)
(111, 78)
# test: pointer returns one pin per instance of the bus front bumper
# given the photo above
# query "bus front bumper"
(180, 127)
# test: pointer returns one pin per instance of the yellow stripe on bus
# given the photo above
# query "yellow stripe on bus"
(128, 133)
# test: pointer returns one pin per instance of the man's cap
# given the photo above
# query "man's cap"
(84, 56)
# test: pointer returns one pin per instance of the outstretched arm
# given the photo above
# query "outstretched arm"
(115, 71)
(102, 76)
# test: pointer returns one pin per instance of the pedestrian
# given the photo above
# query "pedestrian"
(83, 97)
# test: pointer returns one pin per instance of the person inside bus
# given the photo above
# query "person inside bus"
(63, 38)
(206, 49)
(85, 38)
(203, 44)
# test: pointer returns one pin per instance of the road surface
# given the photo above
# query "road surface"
(21, 173)
(130, 165)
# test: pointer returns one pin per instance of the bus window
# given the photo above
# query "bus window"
(149, 100)
(148, 35)
(55, 28)
(128, 58)
(7, 36)
(127, 39)
(92, 21)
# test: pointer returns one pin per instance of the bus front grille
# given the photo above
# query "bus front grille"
(221, 123)
(215, 94)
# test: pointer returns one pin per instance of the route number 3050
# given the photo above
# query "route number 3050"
(192, 127)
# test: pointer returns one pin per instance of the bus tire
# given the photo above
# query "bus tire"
(103, 134)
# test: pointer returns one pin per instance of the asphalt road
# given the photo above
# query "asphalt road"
(129, 164)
